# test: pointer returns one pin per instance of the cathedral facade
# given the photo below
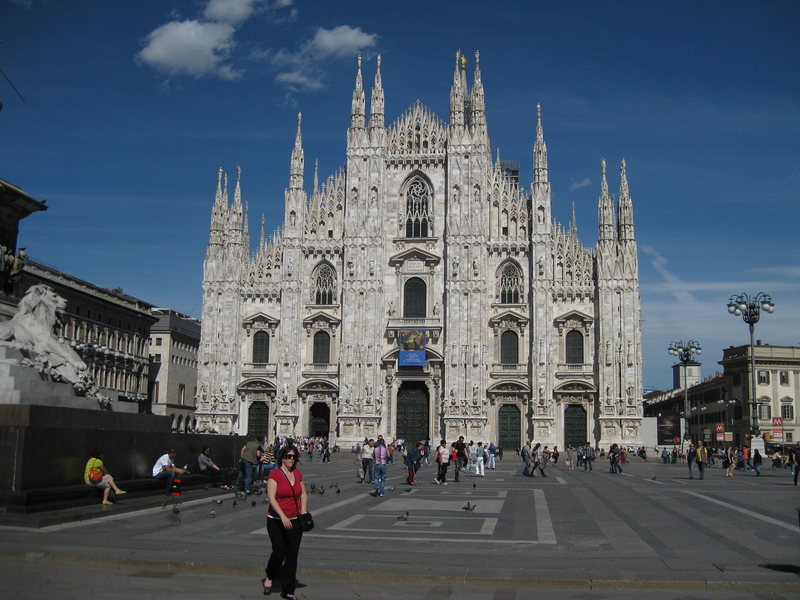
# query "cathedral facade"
(420, 293)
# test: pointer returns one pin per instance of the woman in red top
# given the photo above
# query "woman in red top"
(287, 499)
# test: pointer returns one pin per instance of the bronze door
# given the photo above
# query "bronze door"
(258, 420)
(509, 422)
(412, 412)
(574, 425)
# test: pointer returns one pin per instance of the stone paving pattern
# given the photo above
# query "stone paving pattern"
(576, 534)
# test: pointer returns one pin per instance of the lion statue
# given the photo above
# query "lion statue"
(32, 330)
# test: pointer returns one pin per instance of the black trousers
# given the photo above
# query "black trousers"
(285, 548)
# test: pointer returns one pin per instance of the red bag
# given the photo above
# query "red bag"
(95, 475)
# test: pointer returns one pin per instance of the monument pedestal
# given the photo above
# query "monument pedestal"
(25, 385)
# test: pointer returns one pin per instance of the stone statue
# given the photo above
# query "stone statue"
(31, 328)
(390, 310)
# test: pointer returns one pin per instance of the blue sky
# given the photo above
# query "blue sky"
(131, 107)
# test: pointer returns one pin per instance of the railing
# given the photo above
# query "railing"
(261, 368)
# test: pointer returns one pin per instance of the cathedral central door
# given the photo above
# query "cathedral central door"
(319, 421)
(574, 425)
(509, 422)
(257, 420)
(412, 412)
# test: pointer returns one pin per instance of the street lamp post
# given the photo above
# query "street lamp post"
(749, 308)
(684, 351)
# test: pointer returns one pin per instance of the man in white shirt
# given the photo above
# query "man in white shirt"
(165, 468)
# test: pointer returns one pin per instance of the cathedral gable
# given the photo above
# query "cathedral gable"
(418, 135)
(414, 257)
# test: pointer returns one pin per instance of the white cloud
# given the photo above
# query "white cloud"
(580, 184)
(672, 283)
(205, 45)
(230, 11)
(340, 42)
(300, 80)
(302, 66)
(191, 47)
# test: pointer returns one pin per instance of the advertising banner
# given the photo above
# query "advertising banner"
(668, 426)
(412, 347)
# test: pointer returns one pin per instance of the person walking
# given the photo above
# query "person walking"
(757, 460)
(613, 459)
(730, 459)
(701, 458)
(461, 455)
(380, 457)
(570, 455)
(96, 475)
(492, 453)
(480, 454)
(443, 460)
(525, 453)
(367, 451)
(588, 457)
(690, 456)
(796, 461)
(538, 460)
(287, 501)
(412, 460)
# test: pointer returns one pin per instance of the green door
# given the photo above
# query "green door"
(509, 426)
(574, 425)
(412, 412)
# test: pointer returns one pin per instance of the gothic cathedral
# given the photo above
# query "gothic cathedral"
(420, 293)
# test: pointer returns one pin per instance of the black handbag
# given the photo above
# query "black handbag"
(305, 520)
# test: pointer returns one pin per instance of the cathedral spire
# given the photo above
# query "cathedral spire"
(246, 231)
(457, 93)
(237, 193)
(376, 105)
(297, 165)
(539, 150)
(605, 210)
(478, 102)
(573, 224)
(358, 107)
(625, 207)
(316, 176)
(261, 240)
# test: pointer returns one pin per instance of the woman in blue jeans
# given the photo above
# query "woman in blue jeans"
(380, 461)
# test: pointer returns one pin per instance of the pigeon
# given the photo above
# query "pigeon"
(235, 504)
(474, 485)
(391, 489)
(213, 514)
(403, 517)
(265, 502)
(176, 510)
(313, 487)
(253, 503)
(338, 491)
(217, 501)
(469, 507)
(321, 491)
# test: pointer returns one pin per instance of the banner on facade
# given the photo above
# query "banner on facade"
(668, 427)
(412, 347)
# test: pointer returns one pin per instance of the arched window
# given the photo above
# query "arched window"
(322, 348)
(509, 348)
(261, 347)
(574, 348)
(417, 209)
(510, 284)
(415, 299)
(324, 285)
